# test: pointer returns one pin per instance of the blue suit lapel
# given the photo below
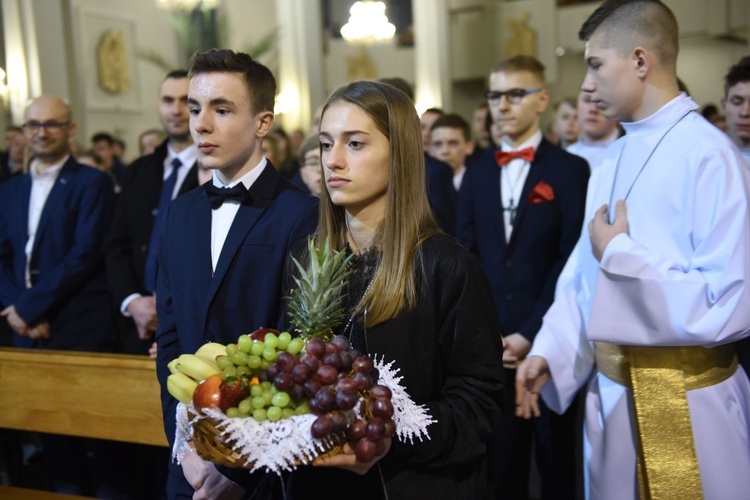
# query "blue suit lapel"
(262, 193)
(494, 184)
(22, 208)
(243, 222)
(535, 173)
(57, 196)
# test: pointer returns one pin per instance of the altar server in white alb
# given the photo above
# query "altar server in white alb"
(656, 291)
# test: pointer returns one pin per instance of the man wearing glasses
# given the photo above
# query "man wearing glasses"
(53, 291)
(521, 209)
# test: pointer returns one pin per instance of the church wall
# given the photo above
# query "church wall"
(128, 115)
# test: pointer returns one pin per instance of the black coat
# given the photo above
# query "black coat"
(448, 350)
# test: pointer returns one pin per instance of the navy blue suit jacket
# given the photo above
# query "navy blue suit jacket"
(245, 292)
(441, 193)
(69, 289)
(523, 271)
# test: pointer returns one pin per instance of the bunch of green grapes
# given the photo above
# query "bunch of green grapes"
(267, 402)
(249, 359)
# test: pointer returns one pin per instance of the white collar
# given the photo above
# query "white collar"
(248, 179)
(663, 118)
(49, 171)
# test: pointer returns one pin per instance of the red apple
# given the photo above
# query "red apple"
(208, 393)
(260, 333)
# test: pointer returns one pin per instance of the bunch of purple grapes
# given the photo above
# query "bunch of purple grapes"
(333, 376)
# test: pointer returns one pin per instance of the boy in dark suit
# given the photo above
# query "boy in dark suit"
(223, 245)
(520, 211)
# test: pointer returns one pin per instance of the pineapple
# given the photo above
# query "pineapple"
(316, 305)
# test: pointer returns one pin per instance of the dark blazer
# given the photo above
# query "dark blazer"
(523, 271)
(129, 237)
(4, 168)
(441, 193)
(245, 291)
(69, 288)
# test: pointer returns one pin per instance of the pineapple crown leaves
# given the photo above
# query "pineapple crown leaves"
(316, 305)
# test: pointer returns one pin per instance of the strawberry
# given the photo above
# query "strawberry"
(232, 390)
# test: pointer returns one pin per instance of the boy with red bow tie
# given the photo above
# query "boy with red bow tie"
(521, 209)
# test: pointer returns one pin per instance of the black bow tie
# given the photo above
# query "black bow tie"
(218, 195)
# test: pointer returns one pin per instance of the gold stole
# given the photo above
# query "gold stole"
(660, 378)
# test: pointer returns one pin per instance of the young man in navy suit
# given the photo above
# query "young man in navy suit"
(520, 211)
(53, 291)
(223, 245)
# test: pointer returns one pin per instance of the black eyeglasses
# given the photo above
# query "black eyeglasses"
(514, 96)
(32, 127)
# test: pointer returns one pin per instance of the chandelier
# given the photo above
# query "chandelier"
(187, 5)
(368, 24)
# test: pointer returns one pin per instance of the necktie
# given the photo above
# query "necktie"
(504, 157)
(149, 278)
(218, 195)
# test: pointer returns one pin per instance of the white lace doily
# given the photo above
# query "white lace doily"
(275, 446)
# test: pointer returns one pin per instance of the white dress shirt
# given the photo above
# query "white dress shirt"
(513, 177)
(41, 185)
(187, 157)
(222, 217)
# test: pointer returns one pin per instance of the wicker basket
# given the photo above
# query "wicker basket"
(211, 446)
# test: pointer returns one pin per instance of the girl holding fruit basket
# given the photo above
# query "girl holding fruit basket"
(415, 297)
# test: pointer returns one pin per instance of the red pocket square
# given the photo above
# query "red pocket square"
(542, 192)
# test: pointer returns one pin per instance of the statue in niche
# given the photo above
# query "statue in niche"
(112, 58)
(361, 66)
(522, 40)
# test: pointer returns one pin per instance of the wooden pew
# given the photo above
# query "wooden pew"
(93, 395)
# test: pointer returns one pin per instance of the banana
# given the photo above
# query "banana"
(196, 368)
(211, 350)
(181, 387)
(173, 366)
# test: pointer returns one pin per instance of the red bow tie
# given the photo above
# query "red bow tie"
(503, 158)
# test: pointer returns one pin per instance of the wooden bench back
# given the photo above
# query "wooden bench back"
(95, 395)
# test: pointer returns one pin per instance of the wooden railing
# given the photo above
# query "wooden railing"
(94, 395)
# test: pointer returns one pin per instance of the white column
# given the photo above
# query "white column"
(300, 78)
(432, 54)
(23, 74)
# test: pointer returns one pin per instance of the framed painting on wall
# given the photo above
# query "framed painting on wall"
(108, 63)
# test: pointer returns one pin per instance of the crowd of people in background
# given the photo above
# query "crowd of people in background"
(81, 265)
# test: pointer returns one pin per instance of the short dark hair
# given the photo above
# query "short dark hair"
(261, 83)
(177, 74)
(437, 111)
(709, 111)
(636, 22)
(400, 84)
(453, 121)
(521, 63)
(738, 73)
(13, 128)
(103, 136)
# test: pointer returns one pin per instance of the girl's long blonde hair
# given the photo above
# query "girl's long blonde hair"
(408, 218)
